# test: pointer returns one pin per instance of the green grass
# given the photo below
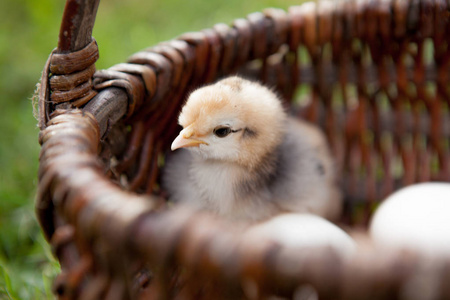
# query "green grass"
(28, 33)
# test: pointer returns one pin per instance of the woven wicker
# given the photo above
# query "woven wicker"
(373, 74)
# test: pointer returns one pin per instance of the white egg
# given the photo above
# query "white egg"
(303, 231)
(416, 218)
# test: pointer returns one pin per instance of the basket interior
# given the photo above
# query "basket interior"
(379, 93)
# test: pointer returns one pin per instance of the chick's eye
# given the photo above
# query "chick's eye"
(222, 131)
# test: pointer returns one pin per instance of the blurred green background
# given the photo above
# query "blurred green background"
(28, 33)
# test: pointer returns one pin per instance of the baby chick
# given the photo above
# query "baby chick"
(246, 159)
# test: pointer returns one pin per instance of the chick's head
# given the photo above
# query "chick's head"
(233, 120)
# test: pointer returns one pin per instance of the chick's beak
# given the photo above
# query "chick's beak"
(185, 139)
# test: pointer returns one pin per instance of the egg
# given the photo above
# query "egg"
(303, 231)
(416, 218)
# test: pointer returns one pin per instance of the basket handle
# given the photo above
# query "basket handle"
(66, 81)
(75, 34)
(77, 24)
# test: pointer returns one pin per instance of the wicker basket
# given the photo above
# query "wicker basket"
(373, 74)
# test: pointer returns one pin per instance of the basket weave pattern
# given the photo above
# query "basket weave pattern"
(373, 74)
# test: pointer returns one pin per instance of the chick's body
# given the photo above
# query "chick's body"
(246, 159)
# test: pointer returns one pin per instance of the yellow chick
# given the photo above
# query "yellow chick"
(246, 159)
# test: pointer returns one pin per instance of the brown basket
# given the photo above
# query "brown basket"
(373, 74)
